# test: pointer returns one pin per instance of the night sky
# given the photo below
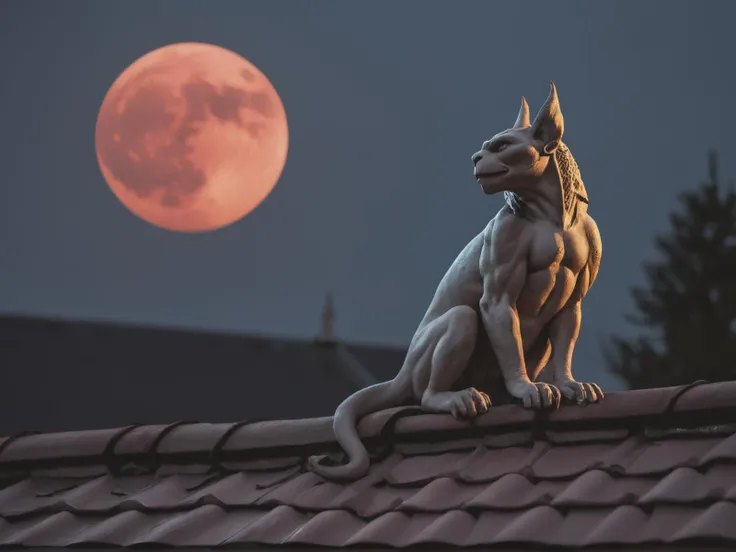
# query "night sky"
(386, 103)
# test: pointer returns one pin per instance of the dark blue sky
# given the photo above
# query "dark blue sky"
(386, 102)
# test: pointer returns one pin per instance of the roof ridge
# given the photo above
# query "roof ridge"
(114, 324)
(193, 442)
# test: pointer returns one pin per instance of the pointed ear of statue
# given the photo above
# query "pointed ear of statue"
(522, 119)
(548, 125)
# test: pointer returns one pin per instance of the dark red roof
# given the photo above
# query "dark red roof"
(644, 467)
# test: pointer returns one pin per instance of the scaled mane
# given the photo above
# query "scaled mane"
(573, 188)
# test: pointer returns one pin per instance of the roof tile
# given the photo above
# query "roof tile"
(527, 527)
(440, 495)
(485, 465)
(488, 525)
(600, 488)
(731, 493)
(622, 525)
(57, 529)
(165, 492)
(120, 529)
(451, 527)
(378, 500)
(49, 445)
(192, 528)
(351, 495)
(581, 487)
(714, 395)
(39, 494)
(724, 451)
(685, 485)
(717, 522)
(630, 524)
(237, 489)
(273, 527)
(577, 525)
(562, 461)
(659, 457)
(663, 521)
(289, 492)
(328, 528)
(513, 491)
(417, 470)
(392, 529)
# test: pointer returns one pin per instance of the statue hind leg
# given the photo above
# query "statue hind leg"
(440, 355)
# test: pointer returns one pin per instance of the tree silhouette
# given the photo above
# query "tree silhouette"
(687, 310)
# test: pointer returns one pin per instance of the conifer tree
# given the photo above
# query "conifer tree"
(687, 310)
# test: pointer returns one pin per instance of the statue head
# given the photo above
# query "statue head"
(514, 159)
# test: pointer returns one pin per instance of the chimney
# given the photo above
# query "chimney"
(345, 360)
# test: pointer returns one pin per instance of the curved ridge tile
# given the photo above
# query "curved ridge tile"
(486, 465)
(55, 530)
(273, 527)
(717, 522)
(731, 493)
(237, 489)
(335, 496)
(16, 499)
(450, 528)
(352, 495)
(724, 451)
(599, 488)
(119, 530)
(188, 527)
(674, 487)
(687, 485)
(624, 525)
(289, 492)
(537, 525)
(315, 497)
(663, 456)
(414, 470)
(386, 530)
(328, 528)
(163, 492)
(572, 460)
(576, 526)
(41, 493)
(377, 500)
(664, 520)
(514, 491)
(488, 525)
(90, 442)
(104, 493)
(621, 455)
(440, 495)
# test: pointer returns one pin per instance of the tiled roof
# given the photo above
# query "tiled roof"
(644, 467)
(241, 372)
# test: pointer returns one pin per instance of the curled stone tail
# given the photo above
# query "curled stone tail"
(370, 399)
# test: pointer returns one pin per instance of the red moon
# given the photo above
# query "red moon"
(191, 137)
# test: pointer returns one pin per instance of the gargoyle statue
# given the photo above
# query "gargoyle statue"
(509, 305)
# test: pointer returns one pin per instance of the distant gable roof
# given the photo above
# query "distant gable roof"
(644, 467)
(68, 375)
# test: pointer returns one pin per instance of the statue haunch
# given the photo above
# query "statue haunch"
(510, 303)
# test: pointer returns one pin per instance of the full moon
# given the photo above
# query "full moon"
(191, 137)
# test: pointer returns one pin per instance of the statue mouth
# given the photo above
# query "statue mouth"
(491, 174)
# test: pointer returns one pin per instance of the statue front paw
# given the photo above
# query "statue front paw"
(468, 403)
(535, 394)
(581, 393)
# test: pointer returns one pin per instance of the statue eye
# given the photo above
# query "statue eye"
(500, 146)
